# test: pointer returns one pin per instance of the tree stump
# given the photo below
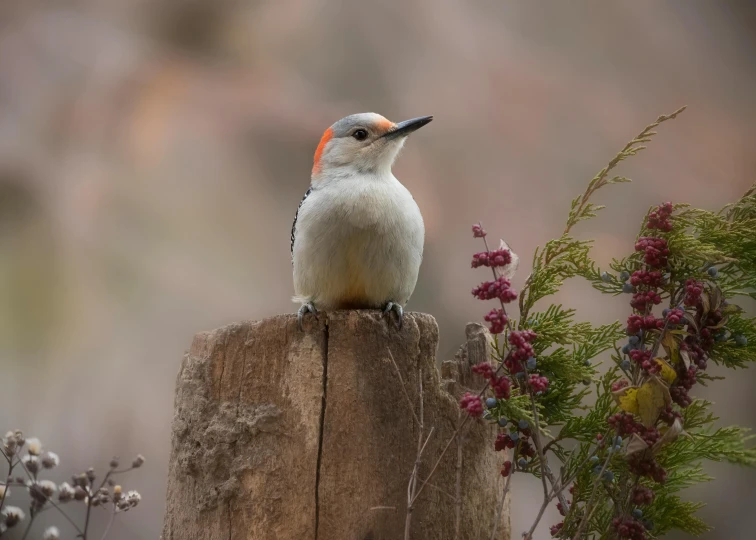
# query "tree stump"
(280, 434)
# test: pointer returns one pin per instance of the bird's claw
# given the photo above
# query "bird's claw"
(306, 308)
(396, 308)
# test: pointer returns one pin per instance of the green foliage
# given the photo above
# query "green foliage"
(717, 251)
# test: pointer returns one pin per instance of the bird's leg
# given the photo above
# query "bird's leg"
(396, 308)
(307, 307)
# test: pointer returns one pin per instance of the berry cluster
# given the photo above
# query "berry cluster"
(518, 436)
(686, 378)
(492, 259)
(490, 290)
(522, 349)
(669, 415)
(641, 495)
(645, 284)
(642, 301)
(674, 316)
(478, 231)
(538, 384)
(655, 250)
(629, 527)
(625, 424)
(472, 404)
(501, 386)
(644, 464)
(650, 278)
(636, 323)
(693, 291)
(643, 358)
(497, 320)
(659, 217)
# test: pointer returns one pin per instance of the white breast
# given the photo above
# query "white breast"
(358, 243)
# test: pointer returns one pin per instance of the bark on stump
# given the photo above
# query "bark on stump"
(285, 435)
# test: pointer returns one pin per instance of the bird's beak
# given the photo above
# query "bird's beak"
(403, 129)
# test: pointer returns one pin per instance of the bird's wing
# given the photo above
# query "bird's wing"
(294, 224)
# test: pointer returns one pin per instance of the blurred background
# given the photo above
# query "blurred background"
(152, 156)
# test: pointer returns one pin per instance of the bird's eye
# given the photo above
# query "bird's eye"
(360, 134)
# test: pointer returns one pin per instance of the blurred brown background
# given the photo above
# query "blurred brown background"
(152, 155)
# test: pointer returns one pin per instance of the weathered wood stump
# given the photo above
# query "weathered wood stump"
(285, 435)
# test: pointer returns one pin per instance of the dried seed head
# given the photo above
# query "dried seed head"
(133, 498)
(138, 461)
(79, 493)
(91, 474)
(65, 492)
(31, 462)
(50, 460)
(80, 480)
(34, 446)
(12, 515)
(51, 533)
(47, 487)
(114, 463)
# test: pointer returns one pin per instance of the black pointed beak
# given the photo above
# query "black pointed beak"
(403, 129)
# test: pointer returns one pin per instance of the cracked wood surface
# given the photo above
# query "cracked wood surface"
(287, 435)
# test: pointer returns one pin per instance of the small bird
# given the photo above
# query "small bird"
(357, 237)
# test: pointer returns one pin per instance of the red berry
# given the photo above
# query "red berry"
(498, 320)
(501, 289)
(497, 258)
(472, 404)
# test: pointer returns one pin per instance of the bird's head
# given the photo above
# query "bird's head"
(362, 143)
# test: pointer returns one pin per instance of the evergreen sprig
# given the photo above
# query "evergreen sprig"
(626, 457)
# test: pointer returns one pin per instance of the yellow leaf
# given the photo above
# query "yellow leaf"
(627, 399)
(667, 371)
(653, 397)
(671, 345)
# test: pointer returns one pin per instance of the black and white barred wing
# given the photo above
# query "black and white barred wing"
(294, 225)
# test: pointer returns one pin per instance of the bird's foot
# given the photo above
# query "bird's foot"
(307, 307)
(396, 308)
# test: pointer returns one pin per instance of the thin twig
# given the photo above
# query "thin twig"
(497, 520)
(539, 447)
(458, 490)
(29, 526)
(412, 485)
(588, 511)
(485, 387)
(10, 472)
(52, 503)
(404, 390)
(443, 491)
(529, 535)
(110, 523)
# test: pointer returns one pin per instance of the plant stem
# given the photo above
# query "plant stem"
(589, 505)
(29, 526)
(503, 497)
(412, 486)
(110, 523)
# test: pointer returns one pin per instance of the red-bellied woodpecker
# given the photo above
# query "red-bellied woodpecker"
(357, 237)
